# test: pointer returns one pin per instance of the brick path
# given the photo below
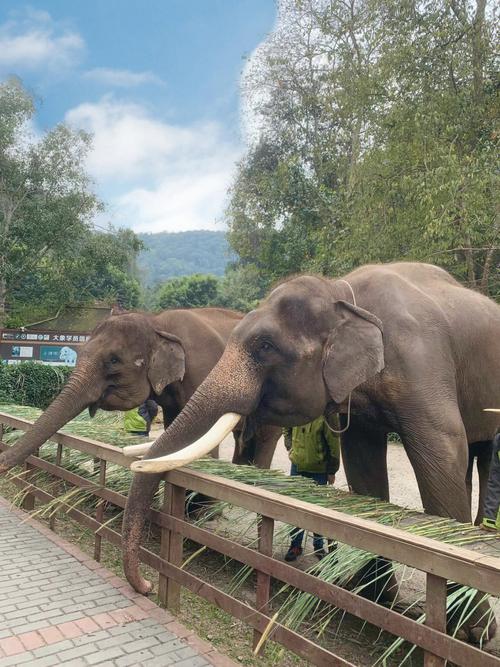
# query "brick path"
(59, 607)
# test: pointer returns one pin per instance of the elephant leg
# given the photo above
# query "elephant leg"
(170, 412)
(244, 442)
(439, 454)
(364, 456)
(255, 443)
(267, 438)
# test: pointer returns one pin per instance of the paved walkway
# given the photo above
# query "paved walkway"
(59, 607)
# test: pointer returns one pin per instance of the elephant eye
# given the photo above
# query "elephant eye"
(266, 346)
(114, 360)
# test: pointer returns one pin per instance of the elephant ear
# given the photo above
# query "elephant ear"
(167, 363)
(354, 351)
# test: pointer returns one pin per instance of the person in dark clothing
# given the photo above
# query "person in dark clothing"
(314, 451)
(138, 420)
(491, 520)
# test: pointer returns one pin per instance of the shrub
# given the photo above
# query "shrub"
(33, 384)
(196, 291)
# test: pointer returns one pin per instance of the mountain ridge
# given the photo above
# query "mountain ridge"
(173, 254)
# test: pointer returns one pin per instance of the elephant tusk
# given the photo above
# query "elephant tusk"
(202, 446)
(491, 409)
(137, 450)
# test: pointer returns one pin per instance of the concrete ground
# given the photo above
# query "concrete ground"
(60, 607)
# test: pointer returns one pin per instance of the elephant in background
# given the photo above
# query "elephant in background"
(131, 357)
(398, 348)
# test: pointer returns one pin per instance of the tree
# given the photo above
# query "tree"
(241, 288)
(51, 253)
(100, 266)
(46, 202)
(196, 291)
(372, 139)
(309, 95)
(428, 188)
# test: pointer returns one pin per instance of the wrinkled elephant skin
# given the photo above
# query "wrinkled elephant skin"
(405, 345)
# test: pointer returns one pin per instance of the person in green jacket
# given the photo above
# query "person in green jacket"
(138, 420)
(314, 451)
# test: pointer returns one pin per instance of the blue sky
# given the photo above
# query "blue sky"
(156, 82)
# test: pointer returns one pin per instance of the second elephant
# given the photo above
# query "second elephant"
(134, 356)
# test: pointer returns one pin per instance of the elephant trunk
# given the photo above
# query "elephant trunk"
(232, 386)
(78, 393)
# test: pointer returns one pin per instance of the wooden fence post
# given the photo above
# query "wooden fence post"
(265, 528)
(57, 486)
(28, 503)
(164, 542)
(99, 513)
(176, 549)
(435, 613)
(171, 546)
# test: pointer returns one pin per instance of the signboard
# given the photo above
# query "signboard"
(57, 348)
(55, 354)
(52, 337)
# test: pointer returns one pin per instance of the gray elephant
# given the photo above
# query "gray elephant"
(393, 348)
(134, 356)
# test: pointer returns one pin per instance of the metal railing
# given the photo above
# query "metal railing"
(440, 562)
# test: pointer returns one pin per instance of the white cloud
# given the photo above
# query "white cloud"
(121, 77)
(157, 176)
(33, 41)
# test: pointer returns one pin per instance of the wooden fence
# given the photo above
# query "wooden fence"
(441, 562)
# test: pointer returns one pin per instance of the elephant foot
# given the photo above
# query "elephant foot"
(479, 625)
(376, 581)
(477, 634)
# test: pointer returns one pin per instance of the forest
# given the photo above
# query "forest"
(371, 135)
(172, 254)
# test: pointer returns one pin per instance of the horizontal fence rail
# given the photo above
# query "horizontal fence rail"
(441, 562)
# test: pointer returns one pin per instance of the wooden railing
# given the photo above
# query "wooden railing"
(441, 562)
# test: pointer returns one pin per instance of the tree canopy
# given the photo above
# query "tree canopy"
(373, 138)
(196, 291)
(50, 252)
(240, 289)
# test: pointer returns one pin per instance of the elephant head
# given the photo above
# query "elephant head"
(300, 351)
(126, 359)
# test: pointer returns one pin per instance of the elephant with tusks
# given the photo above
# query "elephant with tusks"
(401, 347)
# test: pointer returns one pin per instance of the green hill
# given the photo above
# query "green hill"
(182, 254)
